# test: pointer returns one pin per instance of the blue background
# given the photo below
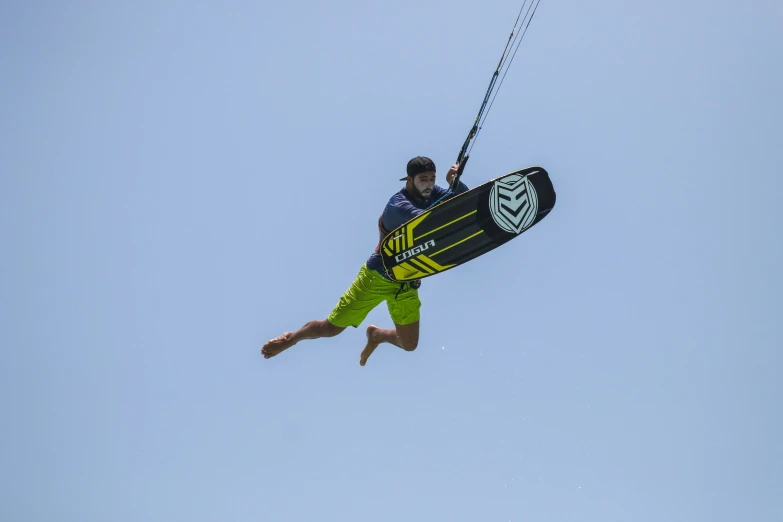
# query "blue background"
(182, 181)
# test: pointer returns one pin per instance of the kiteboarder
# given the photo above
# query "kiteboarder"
(372, 285)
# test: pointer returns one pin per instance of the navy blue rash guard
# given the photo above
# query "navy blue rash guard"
(401, 208)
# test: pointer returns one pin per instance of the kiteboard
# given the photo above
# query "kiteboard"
(468, 225)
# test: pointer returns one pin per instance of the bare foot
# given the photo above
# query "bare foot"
(372, 344)
(278, 344)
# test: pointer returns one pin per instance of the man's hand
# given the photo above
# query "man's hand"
(452, 172)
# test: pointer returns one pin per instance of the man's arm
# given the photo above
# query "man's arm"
(461, 187)
(398, 211)
(440, 194)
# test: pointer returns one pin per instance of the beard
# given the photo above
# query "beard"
(423, 191)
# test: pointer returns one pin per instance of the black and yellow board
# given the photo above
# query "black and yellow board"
(468, 225)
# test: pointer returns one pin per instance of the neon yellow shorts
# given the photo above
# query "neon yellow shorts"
(367, 292)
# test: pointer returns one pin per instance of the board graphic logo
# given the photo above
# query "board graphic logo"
(413, 251)
(513, 203)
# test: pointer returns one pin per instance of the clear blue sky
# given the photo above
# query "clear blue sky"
(181, 181)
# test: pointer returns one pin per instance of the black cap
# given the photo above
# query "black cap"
(418, 165)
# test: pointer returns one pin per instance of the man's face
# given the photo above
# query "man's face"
(424, 183)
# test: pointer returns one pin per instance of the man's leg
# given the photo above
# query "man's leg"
(404, 309)
(405, 336)
(354, 305)
(311, 330)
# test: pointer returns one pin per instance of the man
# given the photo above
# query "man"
(373, 285)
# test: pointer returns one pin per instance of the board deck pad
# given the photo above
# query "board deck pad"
(468, 225)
